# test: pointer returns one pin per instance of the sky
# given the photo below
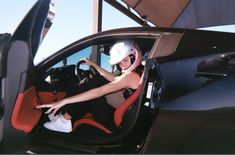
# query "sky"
(73, 21)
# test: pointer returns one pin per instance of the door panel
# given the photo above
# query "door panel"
(25, 107)
(48, 97)
(17, 80)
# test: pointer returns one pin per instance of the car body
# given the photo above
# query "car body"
(185, 103)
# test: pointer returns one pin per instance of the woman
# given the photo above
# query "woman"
(127, 56)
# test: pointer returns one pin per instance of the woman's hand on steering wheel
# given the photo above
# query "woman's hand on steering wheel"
(81, 74)
(87, 61)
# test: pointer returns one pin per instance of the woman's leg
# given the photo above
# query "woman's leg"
(101, 111)
(75, 111)
(64, 121)
(104, 114)
(78, 110)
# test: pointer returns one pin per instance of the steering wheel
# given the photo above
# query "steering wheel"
(79, 72)
(82, 74)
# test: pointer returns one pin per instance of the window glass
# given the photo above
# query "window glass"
(65, 71)
(74, 59)
(105, 62)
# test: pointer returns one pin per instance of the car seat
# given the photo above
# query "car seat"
(118, 114)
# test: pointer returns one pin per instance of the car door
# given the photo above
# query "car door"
(17, 78)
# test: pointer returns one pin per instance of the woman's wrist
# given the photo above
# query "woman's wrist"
(65, 101)
(94, 65)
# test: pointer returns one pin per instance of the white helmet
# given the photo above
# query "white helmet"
(121, 50)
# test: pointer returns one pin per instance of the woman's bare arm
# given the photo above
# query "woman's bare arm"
(127, 80)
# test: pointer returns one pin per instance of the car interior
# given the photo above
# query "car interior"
(63, 78)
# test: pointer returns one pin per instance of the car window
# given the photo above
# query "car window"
(68, 64)
(105, 62)
(74, 59)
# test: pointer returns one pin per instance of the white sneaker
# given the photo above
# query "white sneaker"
(53, 117)
(60, 125)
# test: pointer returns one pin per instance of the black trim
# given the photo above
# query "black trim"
(5, 40)
(1, 110)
